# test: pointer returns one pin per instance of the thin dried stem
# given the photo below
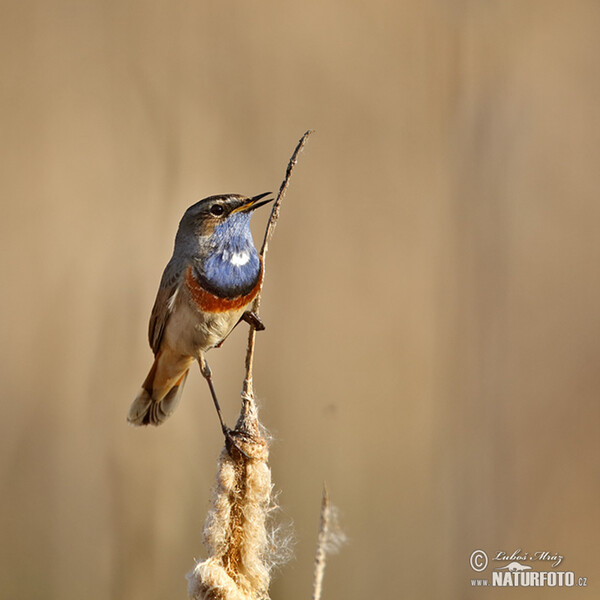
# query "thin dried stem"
(320, 556)
(282, 190)
(331, 537)
(248, 388)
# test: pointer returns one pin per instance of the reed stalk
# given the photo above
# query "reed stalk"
(242, 546)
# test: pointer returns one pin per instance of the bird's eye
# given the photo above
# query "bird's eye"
(217, 210)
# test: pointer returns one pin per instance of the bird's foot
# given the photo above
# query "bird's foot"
(253, 319)
(235, 438)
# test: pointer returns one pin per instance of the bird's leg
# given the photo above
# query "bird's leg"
(254, 320)
(228, 433)
(207, 374)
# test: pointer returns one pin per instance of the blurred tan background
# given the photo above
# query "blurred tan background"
(432, 294)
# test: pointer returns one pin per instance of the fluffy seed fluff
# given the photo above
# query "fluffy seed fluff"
(242, 548)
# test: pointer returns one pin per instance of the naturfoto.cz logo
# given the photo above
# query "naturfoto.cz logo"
(518, 573)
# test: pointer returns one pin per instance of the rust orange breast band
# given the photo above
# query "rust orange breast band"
(204, 300)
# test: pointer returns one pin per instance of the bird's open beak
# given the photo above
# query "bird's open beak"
(253, 203)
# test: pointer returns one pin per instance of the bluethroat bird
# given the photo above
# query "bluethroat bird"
(205, 291)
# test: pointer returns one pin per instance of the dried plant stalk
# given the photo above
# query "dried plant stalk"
(331, 537)
(248, 388)
(321, 541)
(241, 551)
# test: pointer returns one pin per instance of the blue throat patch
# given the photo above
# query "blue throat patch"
(232, 267)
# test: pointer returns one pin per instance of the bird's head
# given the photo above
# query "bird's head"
(214, 235)
(220, 217)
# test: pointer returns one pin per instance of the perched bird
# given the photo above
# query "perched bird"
(205, 291)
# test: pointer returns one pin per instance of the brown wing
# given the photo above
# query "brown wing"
(165, 301)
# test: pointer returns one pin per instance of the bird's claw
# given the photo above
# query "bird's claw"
(254, 320)
(234, 438)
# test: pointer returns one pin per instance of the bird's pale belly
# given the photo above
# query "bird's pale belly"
(191, 331)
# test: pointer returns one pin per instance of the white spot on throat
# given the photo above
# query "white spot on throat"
(239, 259)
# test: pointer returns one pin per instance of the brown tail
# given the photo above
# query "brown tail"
(152, 406)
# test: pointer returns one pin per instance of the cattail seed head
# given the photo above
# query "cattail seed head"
(236, 530)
